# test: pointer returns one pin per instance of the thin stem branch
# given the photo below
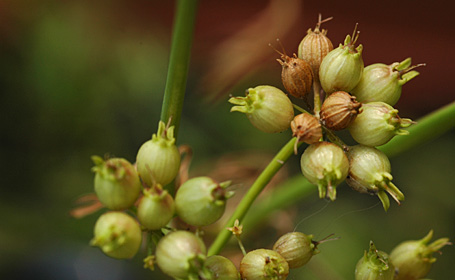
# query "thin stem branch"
(182, 39)
(260, 183)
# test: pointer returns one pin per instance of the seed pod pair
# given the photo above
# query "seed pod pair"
(377, 123)
(339, 110)
(413, 259)
(342, 68)
(374, 265)
(117, 184)
(158, 160)
(369, 172)
(381, 82)
(268, 108)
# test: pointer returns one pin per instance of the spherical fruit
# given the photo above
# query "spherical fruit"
(314, 47)
(325, 165)
(339, 110)
(342, 68)
(296, 248)
(377, 123)
(263, 264)
(158, 160)
(180, 254)
(381, 82)
(221, 268)
(118, 235)
(201, 201)
(117, 184)
(369, 172)
(413, 259)
(156, 209)
(268, 108)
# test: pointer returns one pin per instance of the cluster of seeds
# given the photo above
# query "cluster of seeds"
(138, 189)
(339, 93)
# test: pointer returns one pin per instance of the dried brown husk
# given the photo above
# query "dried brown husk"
(296, 75)
(314, 47)
(306, 128)
(339, 110)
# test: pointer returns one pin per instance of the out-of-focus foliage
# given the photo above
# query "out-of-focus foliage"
(80, 78)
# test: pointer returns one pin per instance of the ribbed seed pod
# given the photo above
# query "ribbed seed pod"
(306, 128)
(377, 123)
(381, 82)
(297, 248)
(296, 75)
(314, 47)
(339, 110)
(369, 172)
(342, 68)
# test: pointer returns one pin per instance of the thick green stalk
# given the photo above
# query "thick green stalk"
(427, 128)
(260, 183)
(182, 39)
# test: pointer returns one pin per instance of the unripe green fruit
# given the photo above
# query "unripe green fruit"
(158, 160)
(413, 259)
(118, 235)
(117, 184)
(222, 268)
(381, 82)
(374, 265)
(181, 254)
(325, 164)
(263, 264)
(268, 108)
(296, 248)
(155, 209)
(201, 201)
(377, 123)
(369, 172)
(342, 68)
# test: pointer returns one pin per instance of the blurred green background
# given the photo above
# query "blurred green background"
(82, 78)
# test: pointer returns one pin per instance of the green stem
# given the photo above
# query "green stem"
(260, 183)
(296, 188)
(182, 39)
(300, 109)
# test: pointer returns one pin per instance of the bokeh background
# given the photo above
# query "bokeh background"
(82, 78)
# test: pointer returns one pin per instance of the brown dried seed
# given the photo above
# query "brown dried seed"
(315, 46)
(306, 128)
(339, 110)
